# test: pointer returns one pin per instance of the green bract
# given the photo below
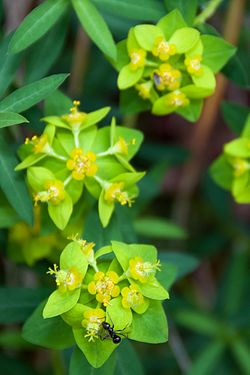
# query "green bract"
(122, 291)
(72, 154)
(170, 66)
(231, 170)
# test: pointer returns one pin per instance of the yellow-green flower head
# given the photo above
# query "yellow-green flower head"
(75, 118)
(177, 99)
(142, 271)
(144, 89)
(115, 192)
(40, 144)
(240, 167)
(131, 297)
(82, 164)
(92, 321)
(121, 146)
(66, 280)
(163, 49)
(166, 77)
(137, 58)
(54, 193)
(193, 65)
(104, 286)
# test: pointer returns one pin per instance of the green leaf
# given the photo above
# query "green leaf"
(199, 322)
(37, 23)
(171, 22)
(10, 118)
(184, 39)
(235, 116)
(216, 52)
(236, 72)
(158, 228)
(128, 77)
(150, 327)
(74, 316)
(95, 26)
(29, 161)
(45, 50)
(72, 256)
(131, 102)
(50, 333)
(97, 352)
(184, 263)
(117, 315)
(12, 183)
(29, 95)
(187, 8)
(192, 111)
(146, 35)
(207, 359)
(60, 302)
(16, 304)
(196, 92)
(167, 275)
(60, 213)
(105, 209)
(57, 104)
(149, 10)
(222, 172)
(125, 367)
(153, 290)
(79, 365)
(95, 117)
(241, 353)
(238, 148)
(206, 80)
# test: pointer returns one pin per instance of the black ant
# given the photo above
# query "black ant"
(115, 335)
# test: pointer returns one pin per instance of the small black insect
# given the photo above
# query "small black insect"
(111, 333)
(157, 79)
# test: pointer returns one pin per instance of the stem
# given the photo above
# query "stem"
(57, 156)
(76, 138)
(100, 181)
(105, 153)
(207, 12)
(151, 63)
(122, 277)
(67, 181)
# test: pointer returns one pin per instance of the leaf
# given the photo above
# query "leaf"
(156, 227)
(57, 104)
(16, 304)
(95, 26)
(184, 263)
(61, 213)
(60, 302)
(222, 172)
(235, 71)
(199, 322)
(187, 8)
(105, 209)
(235, 116)
(125, 367)
(131, 102)
(11, 118)
(97, 352)
(51, 333)
(12, 183)
(216, 52)
(171, 22)
(191, 112)
(149, 10)
(79, 365)
(29, 95)
(37, 23)
(146, 35)
(241, 354)
(184, 39)
(128, 77)
(150, 327)
(207, 359)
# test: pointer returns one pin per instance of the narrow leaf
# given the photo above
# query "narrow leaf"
(37, 23)
(29, 95)
(95, 26)
(10, 118)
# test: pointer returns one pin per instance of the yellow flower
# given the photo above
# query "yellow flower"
(142, 271)
(166, 77)
(137, 58)
(66, 280)
(104, 286)
(176, 99)
(54, 193)
(193, 65)
(40, 144)
(75, 118)
(114, 192)
(163, 49)
(240, 167)
(92, 321)
(82, 164)
(144, 89)
(131, 297)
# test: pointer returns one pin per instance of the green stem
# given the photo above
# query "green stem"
(152, 64)
(122, 277)
(76, 138)
(207, 12)
(67, 181)
(55, 155)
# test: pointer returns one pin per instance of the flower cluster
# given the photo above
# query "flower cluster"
(106, 301)
(232, 169)
(167, 65)
(72, 154)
